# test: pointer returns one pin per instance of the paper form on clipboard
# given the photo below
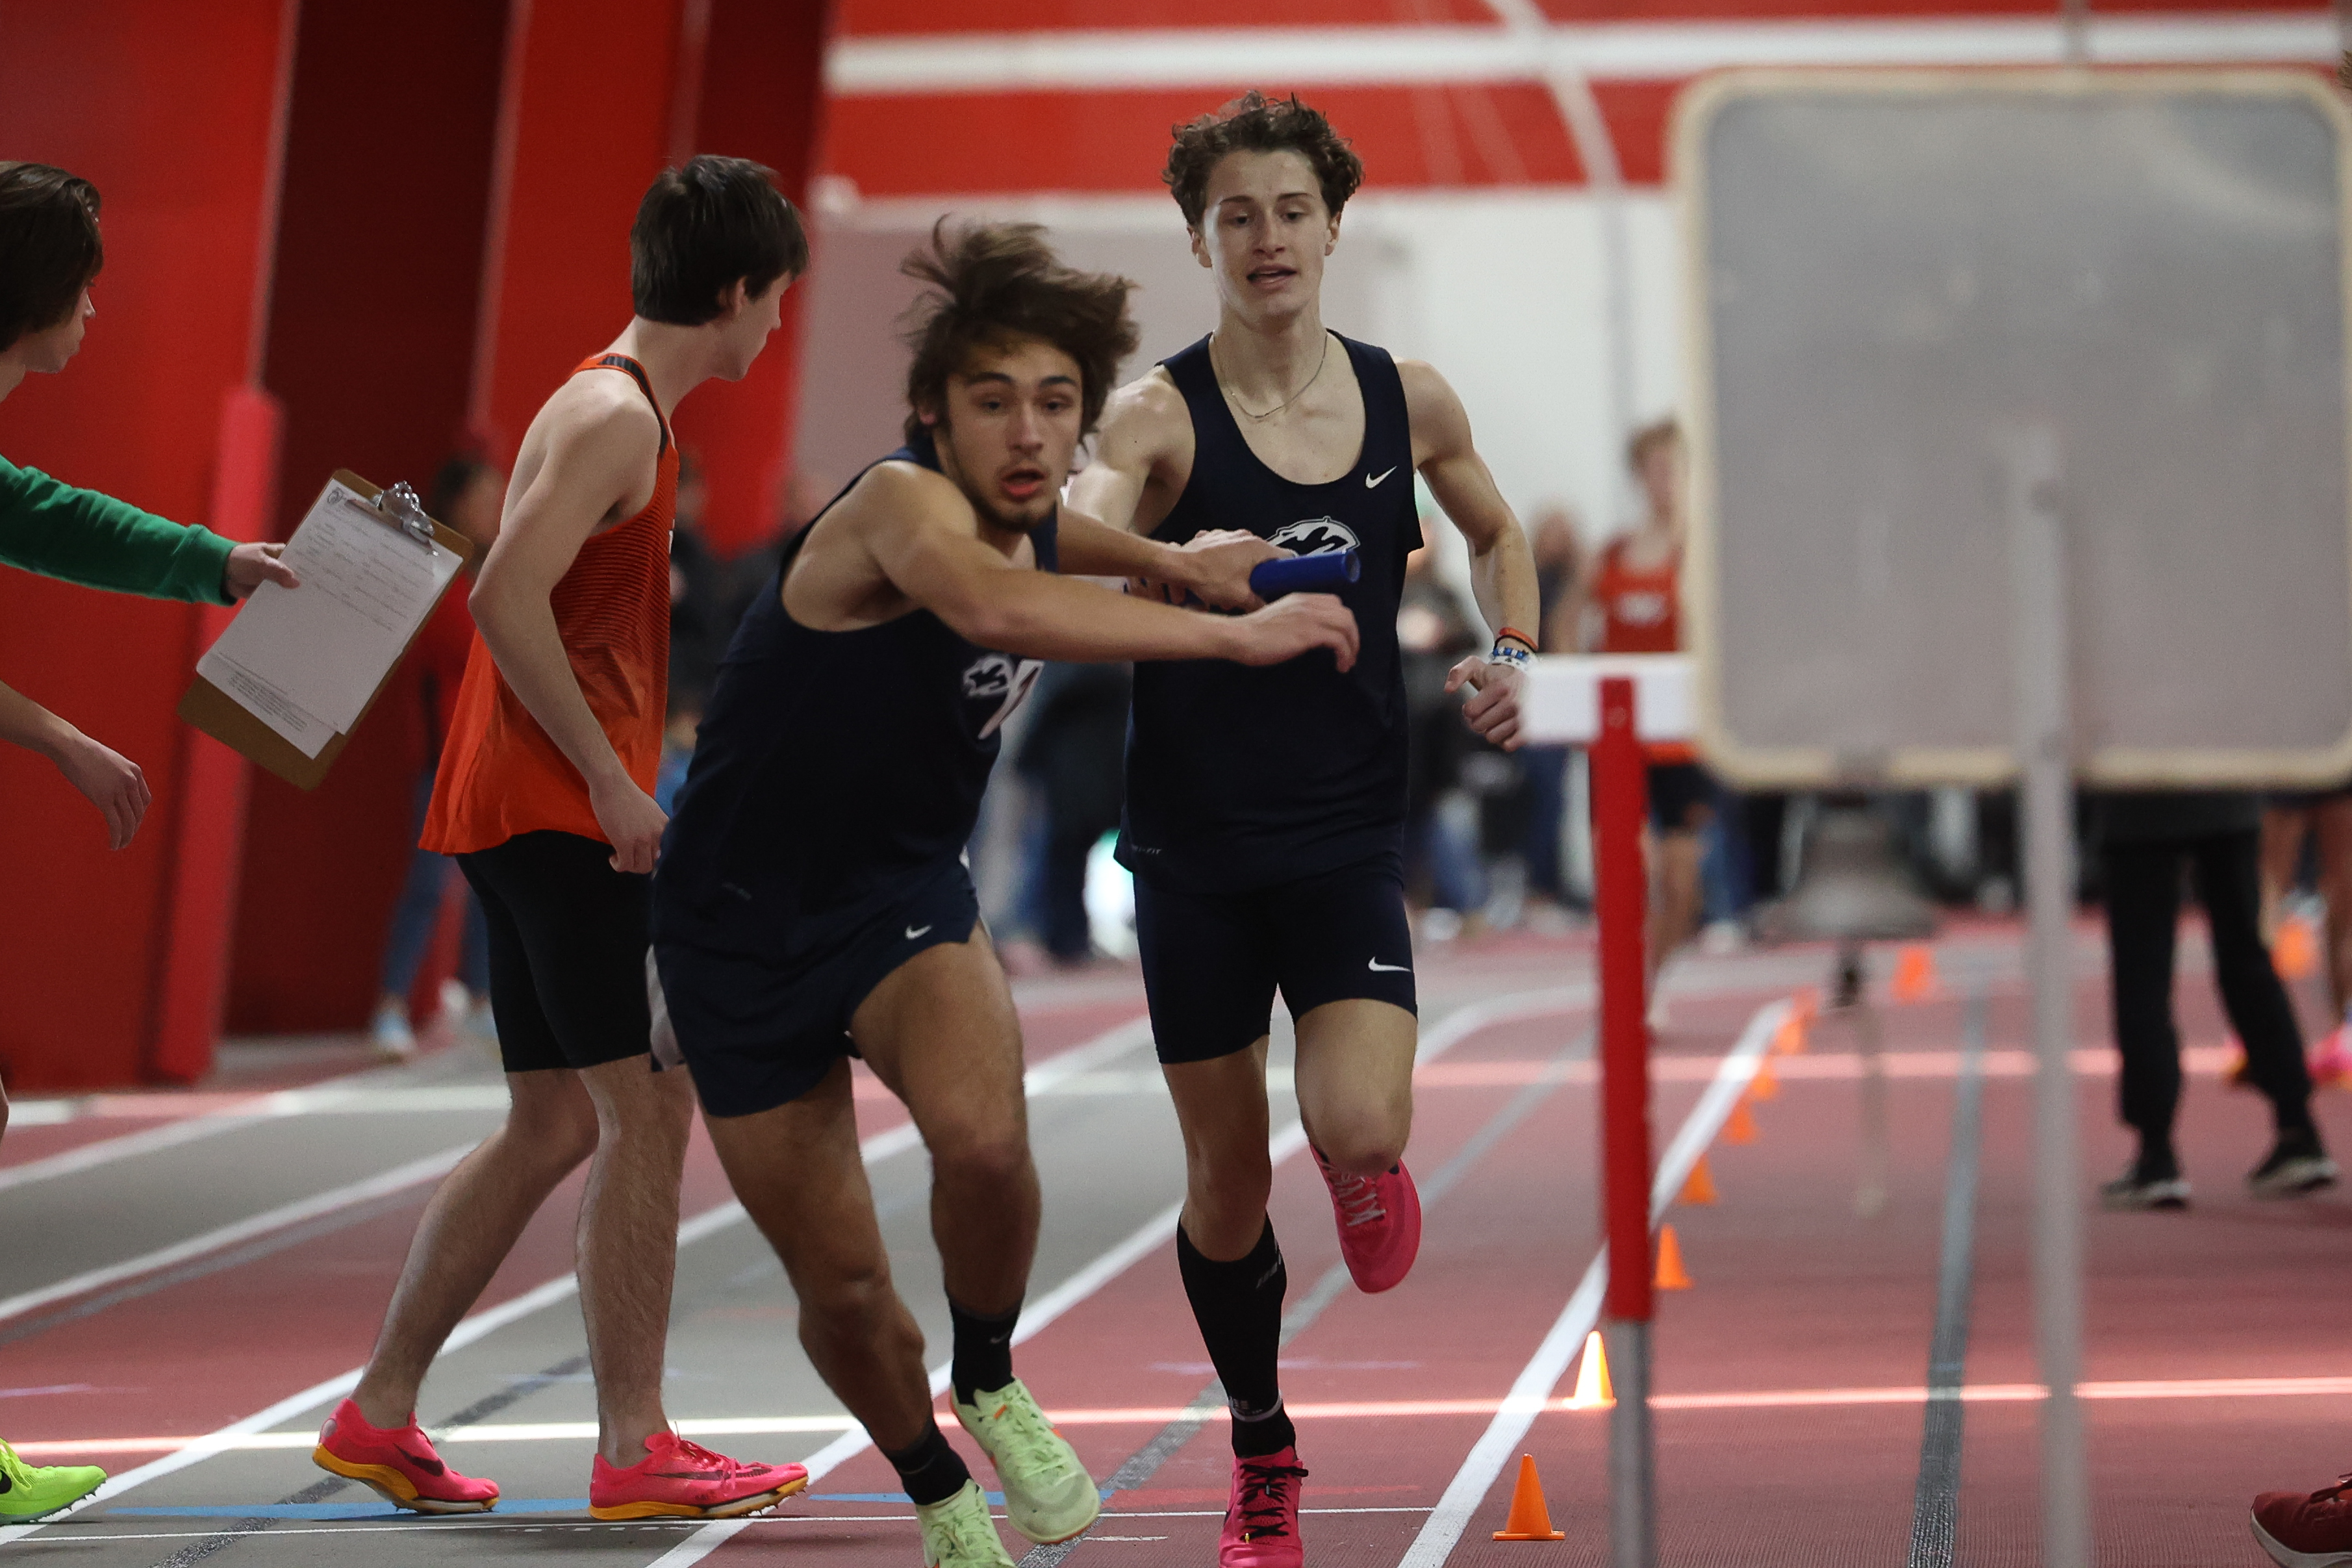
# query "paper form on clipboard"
(306, 661)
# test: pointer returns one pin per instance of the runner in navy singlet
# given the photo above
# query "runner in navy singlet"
(811, 902)
(1266, 806)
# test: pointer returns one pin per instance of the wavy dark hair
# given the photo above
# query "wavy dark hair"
(1256, 123)
(49, 249)
(702, 227)
(992, 283)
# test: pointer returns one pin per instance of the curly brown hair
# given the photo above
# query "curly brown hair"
(990, 283)
(1256, 123)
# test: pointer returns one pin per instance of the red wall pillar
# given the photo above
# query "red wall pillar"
(174, 112)
(370, 348)
(763, 97)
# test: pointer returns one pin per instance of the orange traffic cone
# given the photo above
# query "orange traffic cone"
(1671, 1275)
(1739, 1127)
(1764, 1086)
(1914, 973)
(2294, 953)
(1700, 1186)
(1592, 1390)
(1529, 1521)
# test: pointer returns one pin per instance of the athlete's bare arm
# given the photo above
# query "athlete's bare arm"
(1212, 567)
(906, 537)
(587, 462)
(1502, 567)
(1143, 458)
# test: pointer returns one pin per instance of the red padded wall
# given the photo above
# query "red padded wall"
(763, 97)
(171, 109)
(370, 348)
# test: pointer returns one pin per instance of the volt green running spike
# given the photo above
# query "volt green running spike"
(30, 1491)
(1048, 1496)
(958, 1532)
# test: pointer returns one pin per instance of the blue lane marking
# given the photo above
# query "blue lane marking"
(336, 1510)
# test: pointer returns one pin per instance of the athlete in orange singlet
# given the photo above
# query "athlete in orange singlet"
(1638, 593)
(544, 796)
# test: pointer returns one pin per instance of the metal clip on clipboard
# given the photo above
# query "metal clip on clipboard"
(399, 503)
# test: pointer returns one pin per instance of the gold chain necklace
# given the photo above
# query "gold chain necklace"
(1235, 397)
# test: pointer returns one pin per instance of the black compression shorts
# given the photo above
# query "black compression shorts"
(1213, 963)
(1682, 797)
(567, 941)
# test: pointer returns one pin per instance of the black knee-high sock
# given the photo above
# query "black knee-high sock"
(928, 1469)
(983, 1350)
(1239, 1308)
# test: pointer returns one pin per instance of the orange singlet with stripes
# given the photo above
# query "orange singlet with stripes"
(501, 774)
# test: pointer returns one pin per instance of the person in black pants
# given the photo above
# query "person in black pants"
(2144, 839)
(1074, 753)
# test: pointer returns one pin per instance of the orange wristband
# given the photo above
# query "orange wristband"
(1519, 636)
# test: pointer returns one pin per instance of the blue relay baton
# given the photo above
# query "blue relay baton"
(1326, 574)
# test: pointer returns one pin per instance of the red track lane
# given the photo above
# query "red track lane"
(1502, 1250)
(196, 1356)
(1794, 1292)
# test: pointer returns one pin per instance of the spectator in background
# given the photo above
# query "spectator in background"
(702, 609)
(2326, 818)
(2146, 838)
(1074, 755)
(1560, 579)
(1638, 593)
(468, 494)
(1441, 838)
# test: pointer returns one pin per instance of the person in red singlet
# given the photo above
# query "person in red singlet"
(545, 796)
(1638, 593)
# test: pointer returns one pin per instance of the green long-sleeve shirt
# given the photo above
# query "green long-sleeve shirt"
(81, 536)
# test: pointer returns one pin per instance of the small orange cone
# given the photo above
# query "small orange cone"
(1671, 1274)
(1739, 1127)
(1592, 1390)
(1700, 1188)
(1529, 1521)
(2293, 952)
(1764, 1086)
(1914, 973)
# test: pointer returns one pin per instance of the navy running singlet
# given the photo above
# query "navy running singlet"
(1240, 778)
(834, 771)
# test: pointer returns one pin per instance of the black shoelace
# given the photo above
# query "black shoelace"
(1263, 1508)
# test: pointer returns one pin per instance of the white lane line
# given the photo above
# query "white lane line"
(364, 1091)
(1533, 1387)
(2133, 1390)
(1443, 1037)
(881, 1146)
(89, 1156)
(399, 1178)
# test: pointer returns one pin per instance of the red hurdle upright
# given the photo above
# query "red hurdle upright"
(1621, 901)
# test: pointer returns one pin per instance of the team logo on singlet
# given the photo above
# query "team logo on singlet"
(1005, 681)
(1314, 536)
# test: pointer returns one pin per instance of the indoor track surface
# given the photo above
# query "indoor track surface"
(187, 1283)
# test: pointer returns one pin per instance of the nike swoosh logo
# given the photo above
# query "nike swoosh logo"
(914, 932)
(430, 1467)
(1376, 967)
(1371, 480)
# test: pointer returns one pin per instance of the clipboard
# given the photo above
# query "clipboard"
(228, 721)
